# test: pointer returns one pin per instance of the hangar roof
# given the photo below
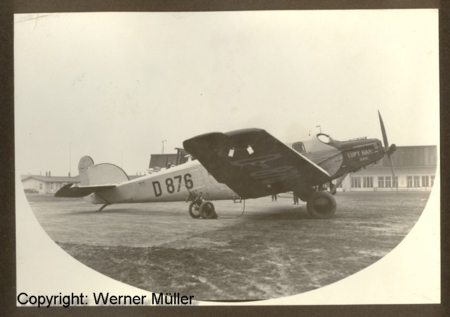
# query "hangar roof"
(52, 179)
(61, 179)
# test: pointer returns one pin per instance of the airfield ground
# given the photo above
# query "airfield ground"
(275, 249)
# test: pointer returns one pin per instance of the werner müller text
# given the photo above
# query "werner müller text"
(103, 299)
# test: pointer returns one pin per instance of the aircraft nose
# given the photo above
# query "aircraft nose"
(392, 149)
(380, 145)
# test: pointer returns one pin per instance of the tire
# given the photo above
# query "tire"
(194, 210)
(321, 205)
(207, 210)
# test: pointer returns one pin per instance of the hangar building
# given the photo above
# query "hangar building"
(46, 184)
(162, 160)
(38, 184)
(415, 169)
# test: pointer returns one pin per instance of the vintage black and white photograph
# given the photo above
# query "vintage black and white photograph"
(270, 157)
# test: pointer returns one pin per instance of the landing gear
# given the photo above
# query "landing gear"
(194, 210)
(201, 208)
(207, 210)
(321, 205)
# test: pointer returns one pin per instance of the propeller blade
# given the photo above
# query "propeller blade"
(393, 171)
(383, 132)
(388, 150)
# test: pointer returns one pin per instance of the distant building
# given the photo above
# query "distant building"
(39, 184)
(46, 184)
(415, 169)
(162, 160)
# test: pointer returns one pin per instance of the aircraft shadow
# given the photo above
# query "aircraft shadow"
(277, 214)
(254, 215)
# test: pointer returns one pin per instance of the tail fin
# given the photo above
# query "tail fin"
(93, 178)
(83, 166)
(99, 174)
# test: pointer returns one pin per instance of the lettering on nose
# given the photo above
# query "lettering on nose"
(367, 152)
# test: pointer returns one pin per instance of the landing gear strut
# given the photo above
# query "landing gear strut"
(103, 207)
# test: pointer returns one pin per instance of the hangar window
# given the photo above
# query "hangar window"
(416, 181)
(356, 182)
(380, 182)
(299, 147)
(395, 182)
(425, 182)
(368, 181)
(409, 181)
(432, 180)
(387, 182)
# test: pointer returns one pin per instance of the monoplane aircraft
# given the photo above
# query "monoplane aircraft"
(248, 163)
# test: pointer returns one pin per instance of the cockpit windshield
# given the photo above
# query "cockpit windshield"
(299, 147)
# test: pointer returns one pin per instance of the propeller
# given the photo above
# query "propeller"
(389, 150)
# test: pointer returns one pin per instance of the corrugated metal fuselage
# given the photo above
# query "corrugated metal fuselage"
(173, 184)
(340, 157)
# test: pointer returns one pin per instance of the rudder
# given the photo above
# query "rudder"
(83, 166)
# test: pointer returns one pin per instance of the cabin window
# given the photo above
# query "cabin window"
(299, 147)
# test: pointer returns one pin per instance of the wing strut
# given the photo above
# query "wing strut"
(103, 207)
(333, 191)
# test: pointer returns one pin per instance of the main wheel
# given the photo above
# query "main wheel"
(207, 210)
(194, 210)
(321, 205)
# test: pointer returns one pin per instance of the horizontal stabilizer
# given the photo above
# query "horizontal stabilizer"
(72, 191)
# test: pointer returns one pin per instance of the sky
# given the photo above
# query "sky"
(114, 86)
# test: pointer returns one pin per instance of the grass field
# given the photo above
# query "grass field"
(275, 249)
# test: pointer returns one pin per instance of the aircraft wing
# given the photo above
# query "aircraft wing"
(253, 163)
(72, 191)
